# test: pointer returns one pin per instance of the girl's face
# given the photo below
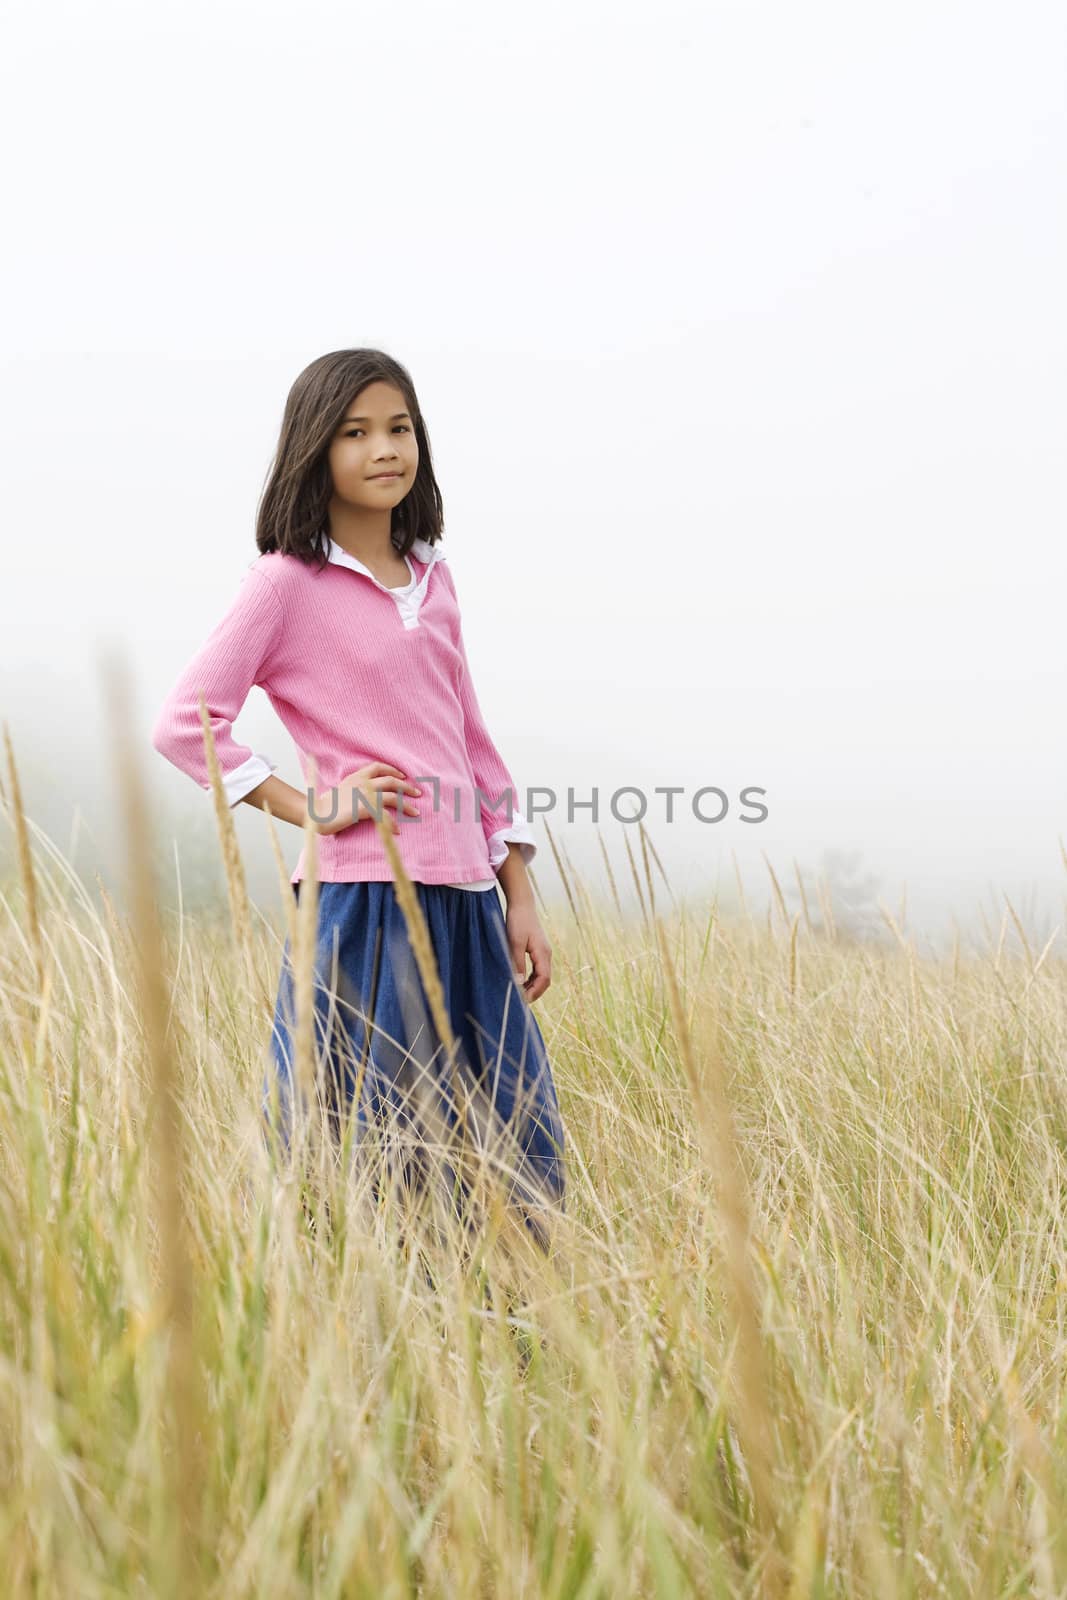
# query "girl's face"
(377, 436)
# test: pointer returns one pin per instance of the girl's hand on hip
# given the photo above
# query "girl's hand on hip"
(527, 937)
(361, 793)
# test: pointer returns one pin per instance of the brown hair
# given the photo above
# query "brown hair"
(293, 510)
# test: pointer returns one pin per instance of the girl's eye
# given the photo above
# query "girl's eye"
(351, 434)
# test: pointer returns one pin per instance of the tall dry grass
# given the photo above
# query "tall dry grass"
(800, 1332)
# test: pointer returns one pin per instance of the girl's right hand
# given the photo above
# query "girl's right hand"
(358, 797)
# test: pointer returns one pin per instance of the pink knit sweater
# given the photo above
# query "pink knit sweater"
(355, 682)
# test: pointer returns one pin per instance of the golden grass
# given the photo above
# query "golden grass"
(801, 1330)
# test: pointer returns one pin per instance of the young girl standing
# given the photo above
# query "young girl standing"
(349, 620)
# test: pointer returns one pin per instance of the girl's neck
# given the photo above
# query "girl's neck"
(366, 537)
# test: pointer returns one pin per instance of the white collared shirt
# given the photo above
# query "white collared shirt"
(251, 773)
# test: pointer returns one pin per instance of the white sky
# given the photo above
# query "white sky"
(739, 333)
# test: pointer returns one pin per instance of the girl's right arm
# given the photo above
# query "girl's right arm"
(285, 802)
(376, 785)
(236, 654)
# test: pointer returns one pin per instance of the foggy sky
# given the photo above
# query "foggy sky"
(739, 335)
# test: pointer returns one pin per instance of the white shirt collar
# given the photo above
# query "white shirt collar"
(421, 549)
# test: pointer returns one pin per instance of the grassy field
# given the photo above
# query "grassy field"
(801, 1330)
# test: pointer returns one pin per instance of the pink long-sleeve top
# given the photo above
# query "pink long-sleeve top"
(357, 672)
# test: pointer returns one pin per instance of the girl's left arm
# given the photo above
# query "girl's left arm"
(502, 821)
(511, 842)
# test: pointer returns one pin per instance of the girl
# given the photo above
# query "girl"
(349, 621)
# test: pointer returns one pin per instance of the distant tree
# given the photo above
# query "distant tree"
(852, 898)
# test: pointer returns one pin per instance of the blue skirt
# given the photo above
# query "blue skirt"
(374, 1032)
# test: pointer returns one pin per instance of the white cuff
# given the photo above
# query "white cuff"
(248, 776)
(519, 832)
